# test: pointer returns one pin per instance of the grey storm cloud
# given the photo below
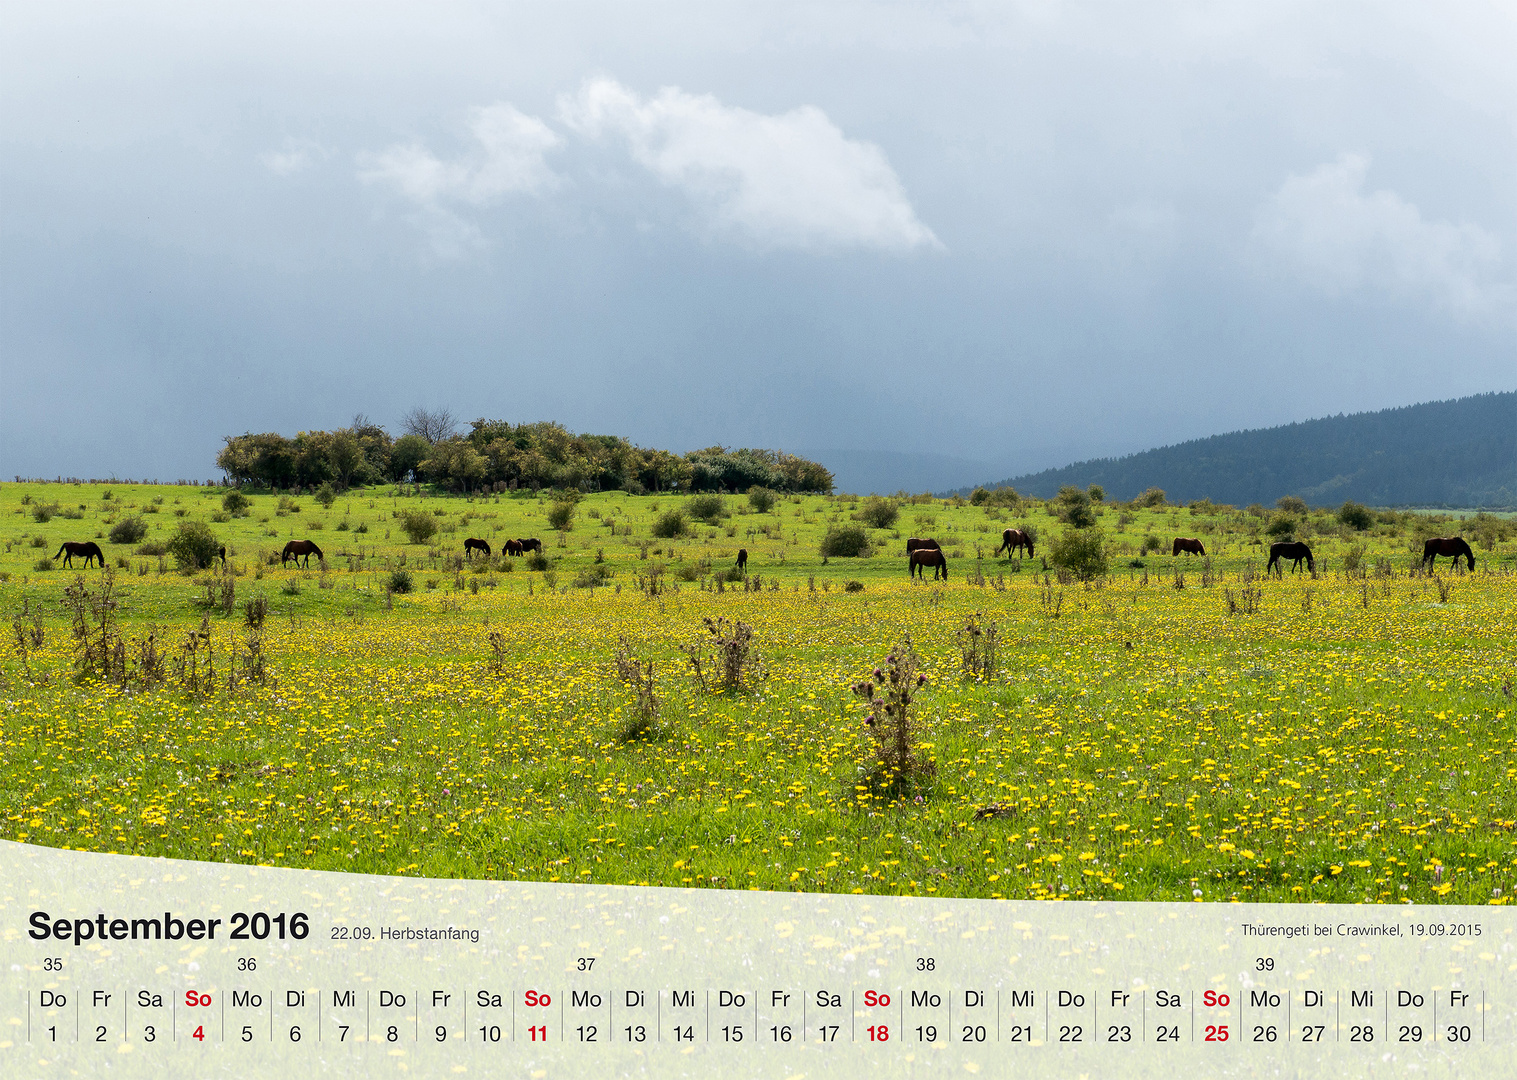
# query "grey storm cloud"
(941, 243)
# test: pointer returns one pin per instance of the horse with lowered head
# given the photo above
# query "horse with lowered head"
(1451, 546)
(917, 542)
(921, 558)
(89, 549)
(297, 548)
(1188, 544)
(742, 560)
(472, 545)
(530, 543)
(1296, 550)
(513, 547)
(1014, 540)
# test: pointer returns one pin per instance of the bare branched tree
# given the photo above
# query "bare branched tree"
(434, 425)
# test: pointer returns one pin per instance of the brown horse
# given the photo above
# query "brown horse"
(1014, 540)
(916, 543)
(531, 543)
(513, 547)
(1452, 546)
(924, 557)
(1296, 551)
(1188, 544)
(742, 560)
(221, 554)
(89, 549)
(472, 545)
(296, 548)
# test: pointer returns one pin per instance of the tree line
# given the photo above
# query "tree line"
(500, 455)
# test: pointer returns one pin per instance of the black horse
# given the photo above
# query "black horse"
(472, 545)
(742, 560)
(530, 543)
(1014, 540)
(296, 548)
(915, 542)
(89, 549)
(921, 558)
(1296, 550)
(1452, 546)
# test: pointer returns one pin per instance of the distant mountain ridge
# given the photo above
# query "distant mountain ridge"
(1457, 453)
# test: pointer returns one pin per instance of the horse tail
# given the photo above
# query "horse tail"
(61, 550)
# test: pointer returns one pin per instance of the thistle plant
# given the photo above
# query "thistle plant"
(890, 691)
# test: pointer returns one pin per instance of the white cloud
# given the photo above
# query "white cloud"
(1342, 238)
(508, 159)
(787, 181)
(293, 156)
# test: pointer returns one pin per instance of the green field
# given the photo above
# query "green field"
(1179, 728)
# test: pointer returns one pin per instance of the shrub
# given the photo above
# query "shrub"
(670, 524)
(706, 508)
(1073, 508)
(877, 513)
(1355, 516)
(400, 581)
(236, 503)
(128, 531)
(1353, 557)
(727, 657)
(1150, 498)
(325, 495)
(539, 562)
(1080, 551)
(152, 547)
(762, 499)
(1096, 492)
(1282, 526)
(853, 586)
(194, 546)
(419, 525)
(561, 515)
(1152, 543)
(1291, 505)
(43, 564)
(845, 541)
(43, 514)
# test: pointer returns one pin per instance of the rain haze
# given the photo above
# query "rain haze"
(928, 245)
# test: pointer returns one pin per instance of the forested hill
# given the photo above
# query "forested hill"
(1460, 453)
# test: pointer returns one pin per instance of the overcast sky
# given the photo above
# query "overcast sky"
(1016, 234)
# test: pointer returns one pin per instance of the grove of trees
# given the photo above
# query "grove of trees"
(495, 453)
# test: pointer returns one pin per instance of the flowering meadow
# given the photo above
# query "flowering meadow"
(1179, 728)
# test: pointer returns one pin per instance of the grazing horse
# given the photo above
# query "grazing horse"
(924, 557)
(531, 543)
(1014, 540)
(1296, 551)
(1188, 544)
(1452, 546)
(742, 560)
(296, 548)
(89, 549)
(221, 554)
(472, 545)
(513, 547)
(917, 543)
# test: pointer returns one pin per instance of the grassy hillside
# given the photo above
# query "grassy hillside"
(1459, 453)
(1181, 728)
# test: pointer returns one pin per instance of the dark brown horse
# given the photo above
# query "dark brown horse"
(1296, 551)
(1452, 546)
(89, 549)
(1189, 545)
(917, 542)
(742, 559)
(296, 548)
(221, 554)
(531, 543)
(472, 545)
(513, 547)
(1014, 540)
(924, 557)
